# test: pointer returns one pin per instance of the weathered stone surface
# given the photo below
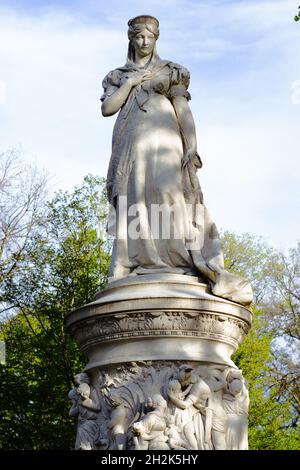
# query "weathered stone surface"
(154, 317)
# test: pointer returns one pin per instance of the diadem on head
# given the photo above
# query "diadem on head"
(141, 22)
(144, 19)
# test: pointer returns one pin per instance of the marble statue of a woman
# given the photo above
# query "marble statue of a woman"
(157, 215)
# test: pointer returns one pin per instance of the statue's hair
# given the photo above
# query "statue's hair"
(137, 24)
(234, 374)
(82, 377)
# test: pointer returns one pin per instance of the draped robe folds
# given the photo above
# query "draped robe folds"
(145, 177)
(236, 409)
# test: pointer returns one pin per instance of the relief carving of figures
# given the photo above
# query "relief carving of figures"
(152, 427)
(236, 403)
(118, 424)
(85, 405)
(175, 323)
(176, 440)
(190, 396)
(161, 406)
(217, 384)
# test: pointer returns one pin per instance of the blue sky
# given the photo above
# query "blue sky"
(244, 59)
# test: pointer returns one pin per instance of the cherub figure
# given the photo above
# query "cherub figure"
(236, 402)
(152, 427)
(174, 433)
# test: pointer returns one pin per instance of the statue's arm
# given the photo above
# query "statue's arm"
(114, 102)
(74, 411)
(208, 426)
(91, 405)
(118, 416)
(148, 436)
(186, 124)
(182, 404)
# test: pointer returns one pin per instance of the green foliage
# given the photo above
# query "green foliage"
(250, 257)
(297, 17)
(268, 415)
(34, 387)
(273, 386)
(65, 264)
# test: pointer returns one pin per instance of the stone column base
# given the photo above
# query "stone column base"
(160, 374)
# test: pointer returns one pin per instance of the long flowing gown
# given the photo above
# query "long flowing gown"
(157, 215)
(237, 420)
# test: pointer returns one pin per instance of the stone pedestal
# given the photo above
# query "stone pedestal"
(160, 374)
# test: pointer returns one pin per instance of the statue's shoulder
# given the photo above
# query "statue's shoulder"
(179, 74)
(113, 77)
(178, 67)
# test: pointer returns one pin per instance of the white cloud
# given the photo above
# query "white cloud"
(295, 92)
(244, 59)
(251, 177)
(54, 67)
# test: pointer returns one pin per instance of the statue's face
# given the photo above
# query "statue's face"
(144, 42)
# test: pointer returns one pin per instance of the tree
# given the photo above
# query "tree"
(251, 257)
(297, 17)
(65, 264)
(284, 316)
(22, 195)
(269, 368)
(269, 415)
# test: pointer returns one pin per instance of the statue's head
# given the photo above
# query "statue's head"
(234, 374)
(149, 403)
(84, 390)
(82, 377)
(185, 373)
(143, 32)
(215, 373)
(138, 428)
(170, 420)
(235, 387)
